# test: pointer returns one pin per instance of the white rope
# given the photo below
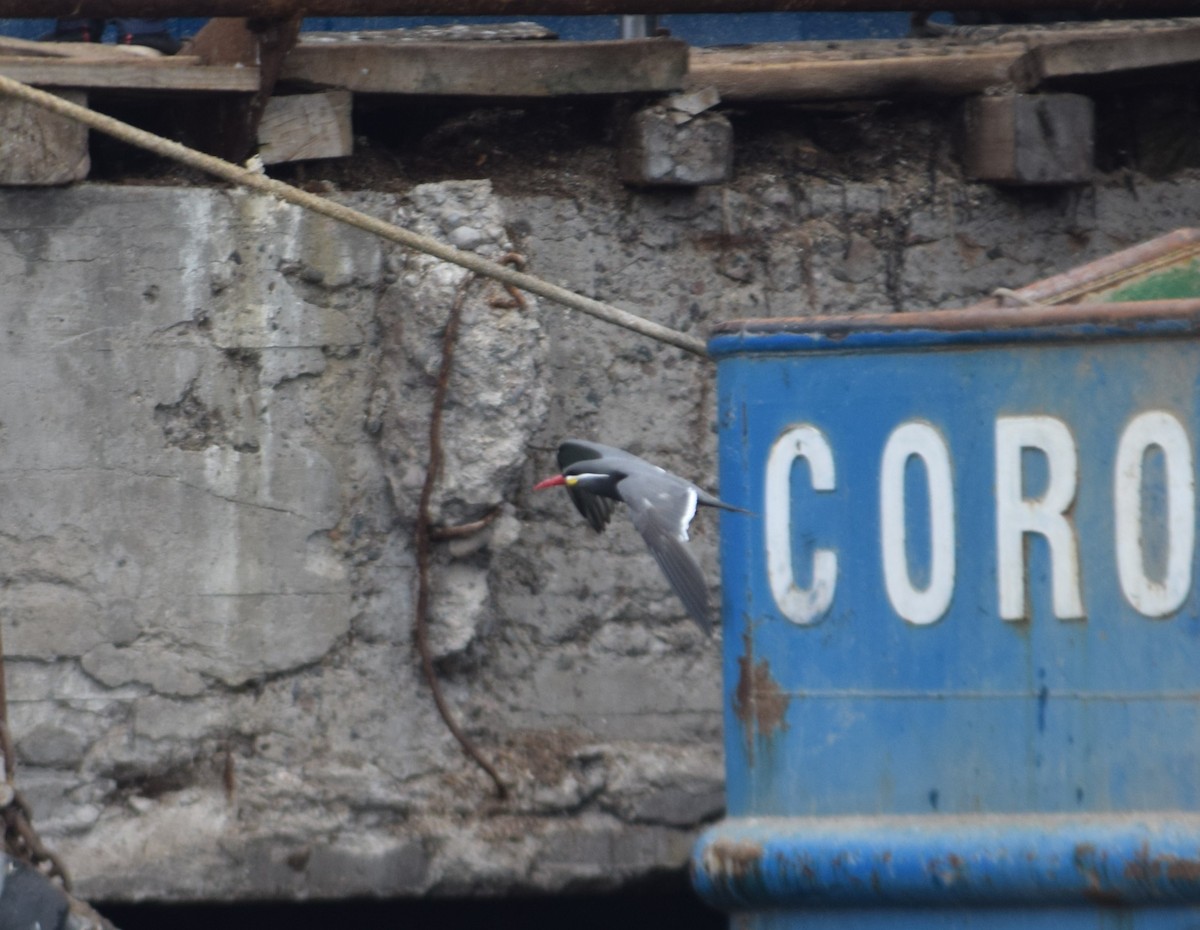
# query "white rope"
(389, 231)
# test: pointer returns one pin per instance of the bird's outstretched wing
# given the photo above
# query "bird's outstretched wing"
(662, 514)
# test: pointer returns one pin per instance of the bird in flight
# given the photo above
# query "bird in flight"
(660, 503)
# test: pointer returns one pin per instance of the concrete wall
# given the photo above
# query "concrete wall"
(213, 430)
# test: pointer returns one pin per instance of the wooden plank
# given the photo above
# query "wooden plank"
(91, 50)
(965, 63)
(306, 126)
(1058, 65)
(1029, 139)
(162, 73)
(493, 69)
(1056, 33)
(38, 147)
(742, 76)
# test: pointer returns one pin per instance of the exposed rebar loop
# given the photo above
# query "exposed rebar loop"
(425, 533)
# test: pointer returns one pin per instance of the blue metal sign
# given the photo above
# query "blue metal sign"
(970, 591)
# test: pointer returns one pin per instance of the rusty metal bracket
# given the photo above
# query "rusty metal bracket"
(261, 43)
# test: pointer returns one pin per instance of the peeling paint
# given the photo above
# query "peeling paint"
(1149, 868)
(966, 861)
(733, 860)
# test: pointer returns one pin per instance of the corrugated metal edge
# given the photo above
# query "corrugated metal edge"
(1115, 859)
(1134, 319)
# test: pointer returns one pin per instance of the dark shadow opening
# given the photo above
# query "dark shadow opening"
(669, 905)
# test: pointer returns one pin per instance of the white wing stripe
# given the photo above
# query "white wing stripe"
(688, 513)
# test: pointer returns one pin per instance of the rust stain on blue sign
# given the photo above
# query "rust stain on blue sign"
(758, 701)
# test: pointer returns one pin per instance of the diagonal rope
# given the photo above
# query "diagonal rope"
(385, 230)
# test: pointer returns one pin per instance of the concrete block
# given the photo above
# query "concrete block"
(1029, 139)
(38, 147)
(660, 149)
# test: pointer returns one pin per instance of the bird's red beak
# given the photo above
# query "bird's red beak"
(550, 483)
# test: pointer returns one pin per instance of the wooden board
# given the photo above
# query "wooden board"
(95, 51)
(492, 69)
(1090, 58)
(781, 73)
(306, 126)
(178, 74)
(968, 62)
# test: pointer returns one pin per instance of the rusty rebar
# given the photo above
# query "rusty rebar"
(424, 535)
(282, 9)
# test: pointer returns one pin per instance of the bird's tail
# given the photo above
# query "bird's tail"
(708, 500)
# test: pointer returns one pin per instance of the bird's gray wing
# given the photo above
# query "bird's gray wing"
(661, 514)
(595, 509)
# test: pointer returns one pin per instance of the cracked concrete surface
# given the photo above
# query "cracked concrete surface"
(213, 430)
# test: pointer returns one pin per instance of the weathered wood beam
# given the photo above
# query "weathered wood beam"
(283, 9)
(780, 72)
(871, 68)
(96, 51)
(137, 73)
(492, 69)
(1100, 56)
